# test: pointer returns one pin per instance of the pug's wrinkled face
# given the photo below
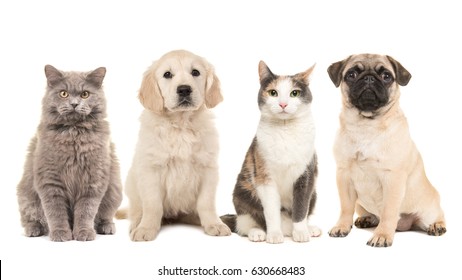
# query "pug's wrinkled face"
(369, 82)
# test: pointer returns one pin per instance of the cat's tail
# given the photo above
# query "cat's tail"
(121, 214)
(230, 221)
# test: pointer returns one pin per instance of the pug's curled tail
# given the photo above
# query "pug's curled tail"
(230, 221)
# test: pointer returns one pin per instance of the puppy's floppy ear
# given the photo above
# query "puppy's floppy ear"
(149, 94)
(402, 75)
(212, 88)
(335, 71)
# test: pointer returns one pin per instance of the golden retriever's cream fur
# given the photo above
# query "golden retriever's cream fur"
(174, 173)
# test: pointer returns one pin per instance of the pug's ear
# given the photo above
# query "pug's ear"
(335, 71)
(402, 75)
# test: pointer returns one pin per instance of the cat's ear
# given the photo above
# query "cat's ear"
(96, 77)
(54, 76)
(149, 94)
(307, 74)
(212, 88)
(264, 72)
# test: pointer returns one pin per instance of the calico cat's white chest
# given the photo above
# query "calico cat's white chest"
(287, 149)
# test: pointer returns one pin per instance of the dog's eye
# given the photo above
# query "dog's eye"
(168, 75)
(351, 75)
(295, 93)
(85, 94)
(63, 94)
(387, 77)
(195, 72)
(273, 93)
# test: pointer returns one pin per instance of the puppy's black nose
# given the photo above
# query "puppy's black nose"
(183, 90)
(369, 79)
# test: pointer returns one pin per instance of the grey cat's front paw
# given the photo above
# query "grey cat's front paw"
(60, 235)
(84, 234)
(106, 228)
(34, 230)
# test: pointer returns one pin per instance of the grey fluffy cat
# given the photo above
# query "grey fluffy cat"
(71, 183)
(275, 190)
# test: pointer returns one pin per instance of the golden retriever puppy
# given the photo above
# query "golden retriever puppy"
(174, 174)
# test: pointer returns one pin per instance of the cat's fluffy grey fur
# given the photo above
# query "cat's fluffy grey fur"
(71, 184)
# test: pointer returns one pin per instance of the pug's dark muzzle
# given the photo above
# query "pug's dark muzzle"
(368, 94)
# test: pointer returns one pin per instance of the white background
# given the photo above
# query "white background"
(126, 36)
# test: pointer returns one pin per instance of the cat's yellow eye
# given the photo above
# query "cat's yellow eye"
(294, 93)
(272, 93)
(85, 94)
(63, 94)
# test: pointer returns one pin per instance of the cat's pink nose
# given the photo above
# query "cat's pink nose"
(283, 105)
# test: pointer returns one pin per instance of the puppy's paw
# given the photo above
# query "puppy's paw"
(274, 237)
(60, 235)
(219, 229)
(314, 231)
(256, 235)
(366, 222)
(339, 231)
(381, 240)
(133, 226)
(437, 229)
(301, 235)
(84, 234)
(105, 228)
(143, 234)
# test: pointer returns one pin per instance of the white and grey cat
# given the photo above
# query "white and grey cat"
(275, 190)
(71, 185)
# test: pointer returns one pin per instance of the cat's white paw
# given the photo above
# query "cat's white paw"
(275, 237)
(217, 230)
(143, 234)
(301, 235)
(256, 235)
(314, 231)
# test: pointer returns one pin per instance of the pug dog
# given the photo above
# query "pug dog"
(380, 172)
